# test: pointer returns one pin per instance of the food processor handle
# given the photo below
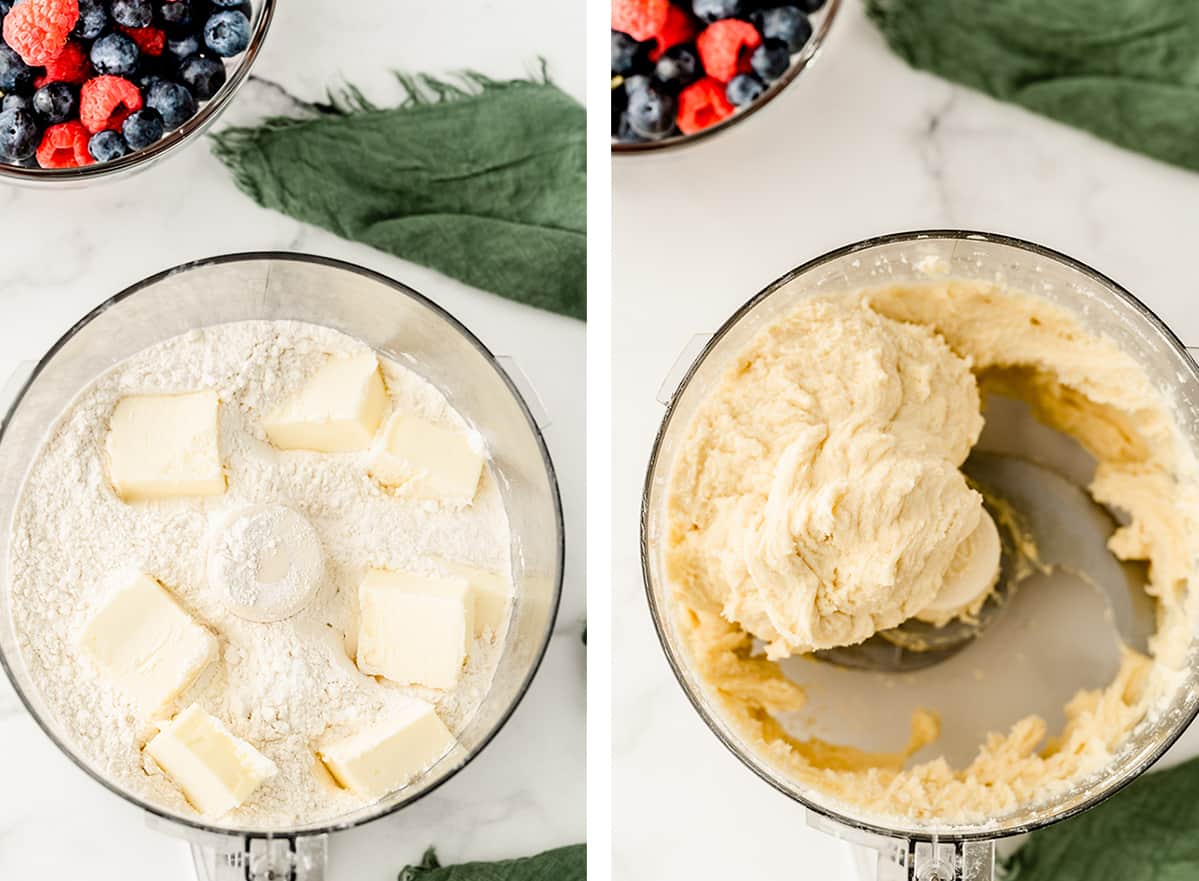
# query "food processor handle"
(879, 857)
(250, 857)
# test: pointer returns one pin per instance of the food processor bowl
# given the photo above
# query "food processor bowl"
(399, 323)
(237, 71)
(822, 21)
(865, 703)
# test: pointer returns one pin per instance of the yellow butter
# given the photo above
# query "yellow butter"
(216, 770)
(338, 409)
(414, 630)
(389, 754)
(428, 461)
(490, 591)
(162, 446)
(148, 646)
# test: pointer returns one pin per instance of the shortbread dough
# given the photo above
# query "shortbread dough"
(818, 500)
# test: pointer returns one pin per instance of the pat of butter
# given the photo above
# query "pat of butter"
(426, 460)
(490, 591)
(389, 754)
(338, 410)
(216, 770)
(414, 630)
(146, 644)
(163, 446)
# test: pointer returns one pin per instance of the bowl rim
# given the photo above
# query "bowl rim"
(659, 614)
(806, 57)
(324, 828)
(169, 144)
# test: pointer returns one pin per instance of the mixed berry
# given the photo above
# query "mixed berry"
(86, 81)
(680, 66)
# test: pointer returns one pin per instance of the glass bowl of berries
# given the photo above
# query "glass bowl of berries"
(93, 89)
(683, 70)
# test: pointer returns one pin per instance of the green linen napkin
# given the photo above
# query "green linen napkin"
(1125, 70)
(563, 864)
(481, 179)
(1147, 832)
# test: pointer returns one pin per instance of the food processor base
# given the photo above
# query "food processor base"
(250, 858)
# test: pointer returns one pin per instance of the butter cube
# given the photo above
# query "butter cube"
(414, 630)
(389, 754)
(216, 770)
(490, 592)
(427, 460)
(146, 644)
(163, 446)
(338, 410)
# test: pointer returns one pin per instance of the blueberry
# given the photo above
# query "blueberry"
(93, 19)
(106, 146)
(651, 112)
(55, 102)
(744, 88)
(625, 133)
(239, 5)
(176, 17)
(172, 100)
(786, 23)
(16, 102)
(19, 135)
(204, 76)
(770, 60)
(15, 74)
(628, 56)
(678, 68)
(715, 10)
(6, 7)
(189, 44)
(227, 33)
(115, 54)
(142, 128)
(810, 6)
(133, 13)
(620, 101)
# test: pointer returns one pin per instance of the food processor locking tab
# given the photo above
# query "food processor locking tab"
(688, 357)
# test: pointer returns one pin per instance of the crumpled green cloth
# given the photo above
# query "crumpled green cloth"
(562, 864)
(483, 180)
(1147, 832)
(1125, 70)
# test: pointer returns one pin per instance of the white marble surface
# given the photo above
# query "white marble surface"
(860, 146)
(62, 253)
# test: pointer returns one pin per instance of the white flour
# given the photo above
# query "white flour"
(285, 686)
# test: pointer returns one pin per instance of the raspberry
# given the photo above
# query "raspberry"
(37, 30)
(64, 146)
(640, 19)
(150, 41)
(105, 101)
(71, 66)
(679, 28)
(725, 47)
(702, 104)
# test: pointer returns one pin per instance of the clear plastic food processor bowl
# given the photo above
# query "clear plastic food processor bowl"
(997, 679)
(397, 322)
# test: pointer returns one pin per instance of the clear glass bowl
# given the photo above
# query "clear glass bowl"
(822, 20)
(398, 322)
(237, 70)
(1101, 306)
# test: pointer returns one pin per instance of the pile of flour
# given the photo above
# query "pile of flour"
(285, 687)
